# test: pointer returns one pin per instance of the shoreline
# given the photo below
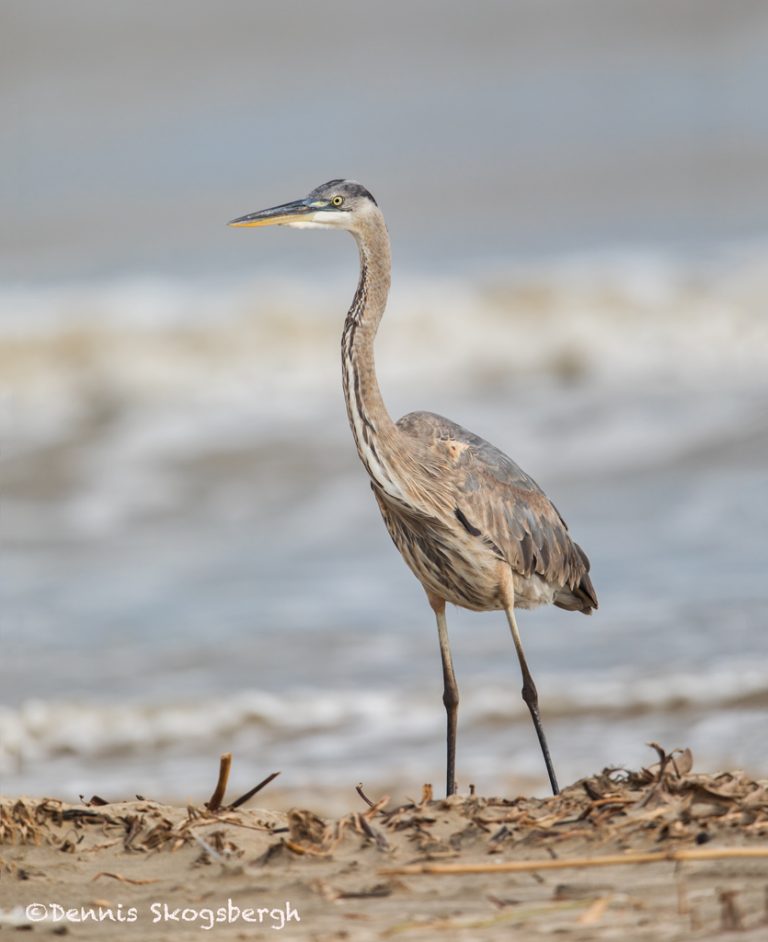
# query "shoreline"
(150, 870)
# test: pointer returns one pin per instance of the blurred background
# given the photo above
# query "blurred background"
(190, 557)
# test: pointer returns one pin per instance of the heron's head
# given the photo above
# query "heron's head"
(338, 204)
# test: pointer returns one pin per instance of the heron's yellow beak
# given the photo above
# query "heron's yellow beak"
(285, 215)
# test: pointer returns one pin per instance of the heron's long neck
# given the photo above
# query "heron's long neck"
(376, 435)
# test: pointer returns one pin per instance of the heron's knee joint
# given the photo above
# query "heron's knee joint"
(530, 694)
(450, 697)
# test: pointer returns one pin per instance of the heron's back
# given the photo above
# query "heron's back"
(485, 511)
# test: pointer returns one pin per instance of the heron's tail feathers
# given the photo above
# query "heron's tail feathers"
(581, 597)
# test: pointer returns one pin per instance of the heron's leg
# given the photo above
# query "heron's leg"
(450, 691)
(531, 698)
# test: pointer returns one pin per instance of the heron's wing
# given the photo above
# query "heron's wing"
(501, 504)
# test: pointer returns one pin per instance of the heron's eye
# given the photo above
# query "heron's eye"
(337, 201)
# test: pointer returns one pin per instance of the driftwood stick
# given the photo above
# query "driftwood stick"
(361, 793)
(249, 794)
(608, 860)
(225, 764)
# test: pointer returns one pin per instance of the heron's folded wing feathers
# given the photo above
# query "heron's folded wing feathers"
(495, 497)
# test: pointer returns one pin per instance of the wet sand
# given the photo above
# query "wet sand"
(154, 871)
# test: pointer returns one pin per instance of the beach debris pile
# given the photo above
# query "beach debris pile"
(421, 865)
(662, 805)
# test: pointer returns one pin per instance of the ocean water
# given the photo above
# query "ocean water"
(191, 560)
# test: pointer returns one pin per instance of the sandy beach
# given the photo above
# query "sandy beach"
(461, 868)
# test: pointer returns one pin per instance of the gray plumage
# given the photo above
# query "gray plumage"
(473, 527)
(520, 525)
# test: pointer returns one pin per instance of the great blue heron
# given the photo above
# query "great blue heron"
(472, 526)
